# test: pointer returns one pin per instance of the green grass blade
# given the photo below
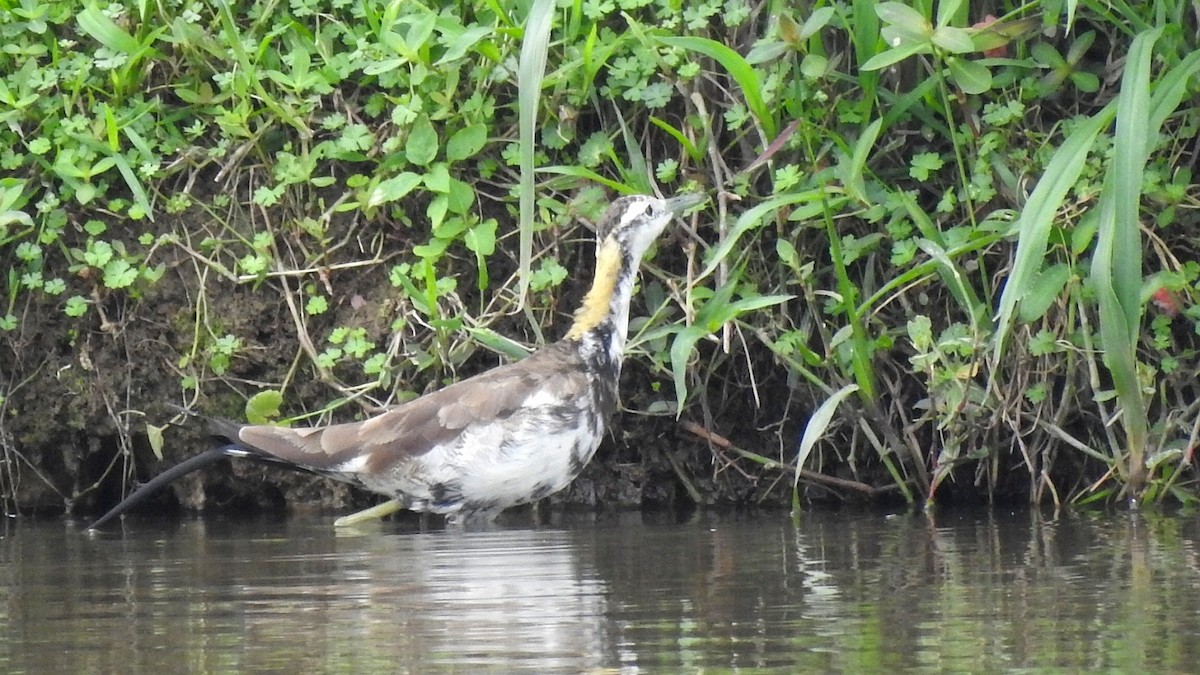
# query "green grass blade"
(1169, 91)
(926, 268)
(690, 148)
(99, 26)
(865, 34)
(739, 69)
(134, 184)
(956, 282)
(852, 173)
(816, 428)
(1117, 277)
(530, 72)
(1131, 146)
(588, 174)
(753, 219)
(233, 38)
(681, 350)
(1033, 226)
(638, 172)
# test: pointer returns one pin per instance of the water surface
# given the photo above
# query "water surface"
(837, 592)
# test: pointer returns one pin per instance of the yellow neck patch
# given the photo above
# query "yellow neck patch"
(596, 304)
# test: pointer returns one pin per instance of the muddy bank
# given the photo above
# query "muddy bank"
(88, 392)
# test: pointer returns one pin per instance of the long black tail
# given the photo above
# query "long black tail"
(165, 478)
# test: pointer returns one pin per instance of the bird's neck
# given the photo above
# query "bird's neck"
(604, 314)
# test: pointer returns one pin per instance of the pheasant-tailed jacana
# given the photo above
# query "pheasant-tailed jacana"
(512, 435)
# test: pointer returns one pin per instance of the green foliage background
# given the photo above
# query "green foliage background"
(961, 245)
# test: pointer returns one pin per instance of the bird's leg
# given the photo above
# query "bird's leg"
(378, 511)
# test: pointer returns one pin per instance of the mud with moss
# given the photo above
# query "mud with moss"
(946, 256)
(77, 429)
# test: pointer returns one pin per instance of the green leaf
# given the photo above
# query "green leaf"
(263, 407)
(465, 40)
(924, 164)
(436, 214)
(119, 274)
(970, 76)
(818, 423)
(1085, 82)
(153, 274)
(394, 188)
(1046, 288)
(715, 313)
(437, 178)
(141, 201)
(884, 59)
(788, 254)
(899, 35)
(681, 350)
(482, 238)
(76, 306)
(98, 253)
(466, 142)
(1116, 271)
(1084, 232)
(688, 146)
(154, 436)
(1170, 90)
(946, 11)
(587, 174)
(317, 304)
(955, 279)
(814, 66)
(852, 173)
(900, 14)
(1045, 54)
(953, 40)
(1130, 149)
(1080, 47)
(383, 66)
(94, 22)
(740, 307)
(498, 343)
(422, 144)
(819, 19)
(766, 51)
(460, 196)
(85, 193)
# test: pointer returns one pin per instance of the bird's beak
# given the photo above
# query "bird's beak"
(681, 203)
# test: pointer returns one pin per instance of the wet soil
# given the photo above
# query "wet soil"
(81, 393)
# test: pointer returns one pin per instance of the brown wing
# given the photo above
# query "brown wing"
(418, 426)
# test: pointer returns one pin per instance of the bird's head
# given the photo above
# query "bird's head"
(634, 222)
(624, 233)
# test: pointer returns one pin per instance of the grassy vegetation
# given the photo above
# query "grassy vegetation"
(960, 245)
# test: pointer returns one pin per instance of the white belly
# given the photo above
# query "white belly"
(491, 467)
